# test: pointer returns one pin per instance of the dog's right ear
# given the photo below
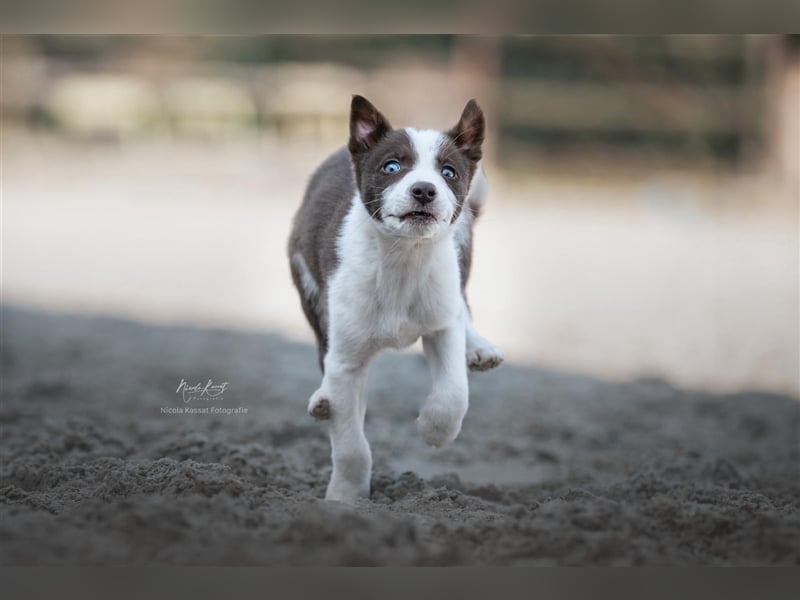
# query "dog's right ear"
(367, 125)
(468, 134)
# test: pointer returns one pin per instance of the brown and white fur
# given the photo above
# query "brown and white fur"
(380, 254)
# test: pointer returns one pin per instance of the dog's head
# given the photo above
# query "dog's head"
(413, 182)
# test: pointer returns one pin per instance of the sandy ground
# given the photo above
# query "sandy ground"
(647, 412)
(551, 468)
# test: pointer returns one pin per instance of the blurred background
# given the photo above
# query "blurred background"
(642, 218)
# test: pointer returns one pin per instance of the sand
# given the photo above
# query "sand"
(551, 468)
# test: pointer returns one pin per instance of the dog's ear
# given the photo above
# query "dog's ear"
(468, 133)
(367, 125)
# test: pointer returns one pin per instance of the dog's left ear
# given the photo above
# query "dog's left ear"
(367, 125)
(468, 133)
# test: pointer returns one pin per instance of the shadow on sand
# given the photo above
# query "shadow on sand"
(99, 466)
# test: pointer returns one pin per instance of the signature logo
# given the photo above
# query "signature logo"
(201, 391)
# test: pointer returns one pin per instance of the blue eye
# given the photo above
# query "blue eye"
(449, 172)
(391, 167)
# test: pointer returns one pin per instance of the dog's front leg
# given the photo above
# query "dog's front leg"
(440, 419)
(343, 401)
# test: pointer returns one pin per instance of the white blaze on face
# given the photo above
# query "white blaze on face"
(398, 200)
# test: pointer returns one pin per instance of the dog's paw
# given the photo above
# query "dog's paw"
(346, 493)
(439, 425)
(350, 478)
(319, 406)
(483, 356)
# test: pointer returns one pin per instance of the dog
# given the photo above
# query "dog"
(380, 253)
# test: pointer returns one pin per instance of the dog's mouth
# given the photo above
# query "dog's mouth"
(418, 216)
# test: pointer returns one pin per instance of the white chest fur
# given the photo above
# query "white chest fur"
(388, 291)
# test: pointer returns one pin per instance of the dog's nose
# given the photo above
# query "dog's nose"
(423, 192)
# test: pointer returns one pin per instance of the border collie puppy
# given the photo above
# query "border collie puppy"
(380, 254)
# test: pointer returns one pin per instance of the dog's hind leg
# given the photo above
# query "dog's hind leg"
(482, 355)
(313, 302)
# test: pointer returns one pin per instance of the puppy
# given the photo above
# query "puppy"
(380, 254)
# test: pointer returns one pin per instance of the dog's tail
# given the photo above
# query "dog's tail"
(478, 189)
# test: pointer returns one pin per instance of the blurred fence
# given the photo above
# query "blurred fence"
(206, 143)
(677, 97)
